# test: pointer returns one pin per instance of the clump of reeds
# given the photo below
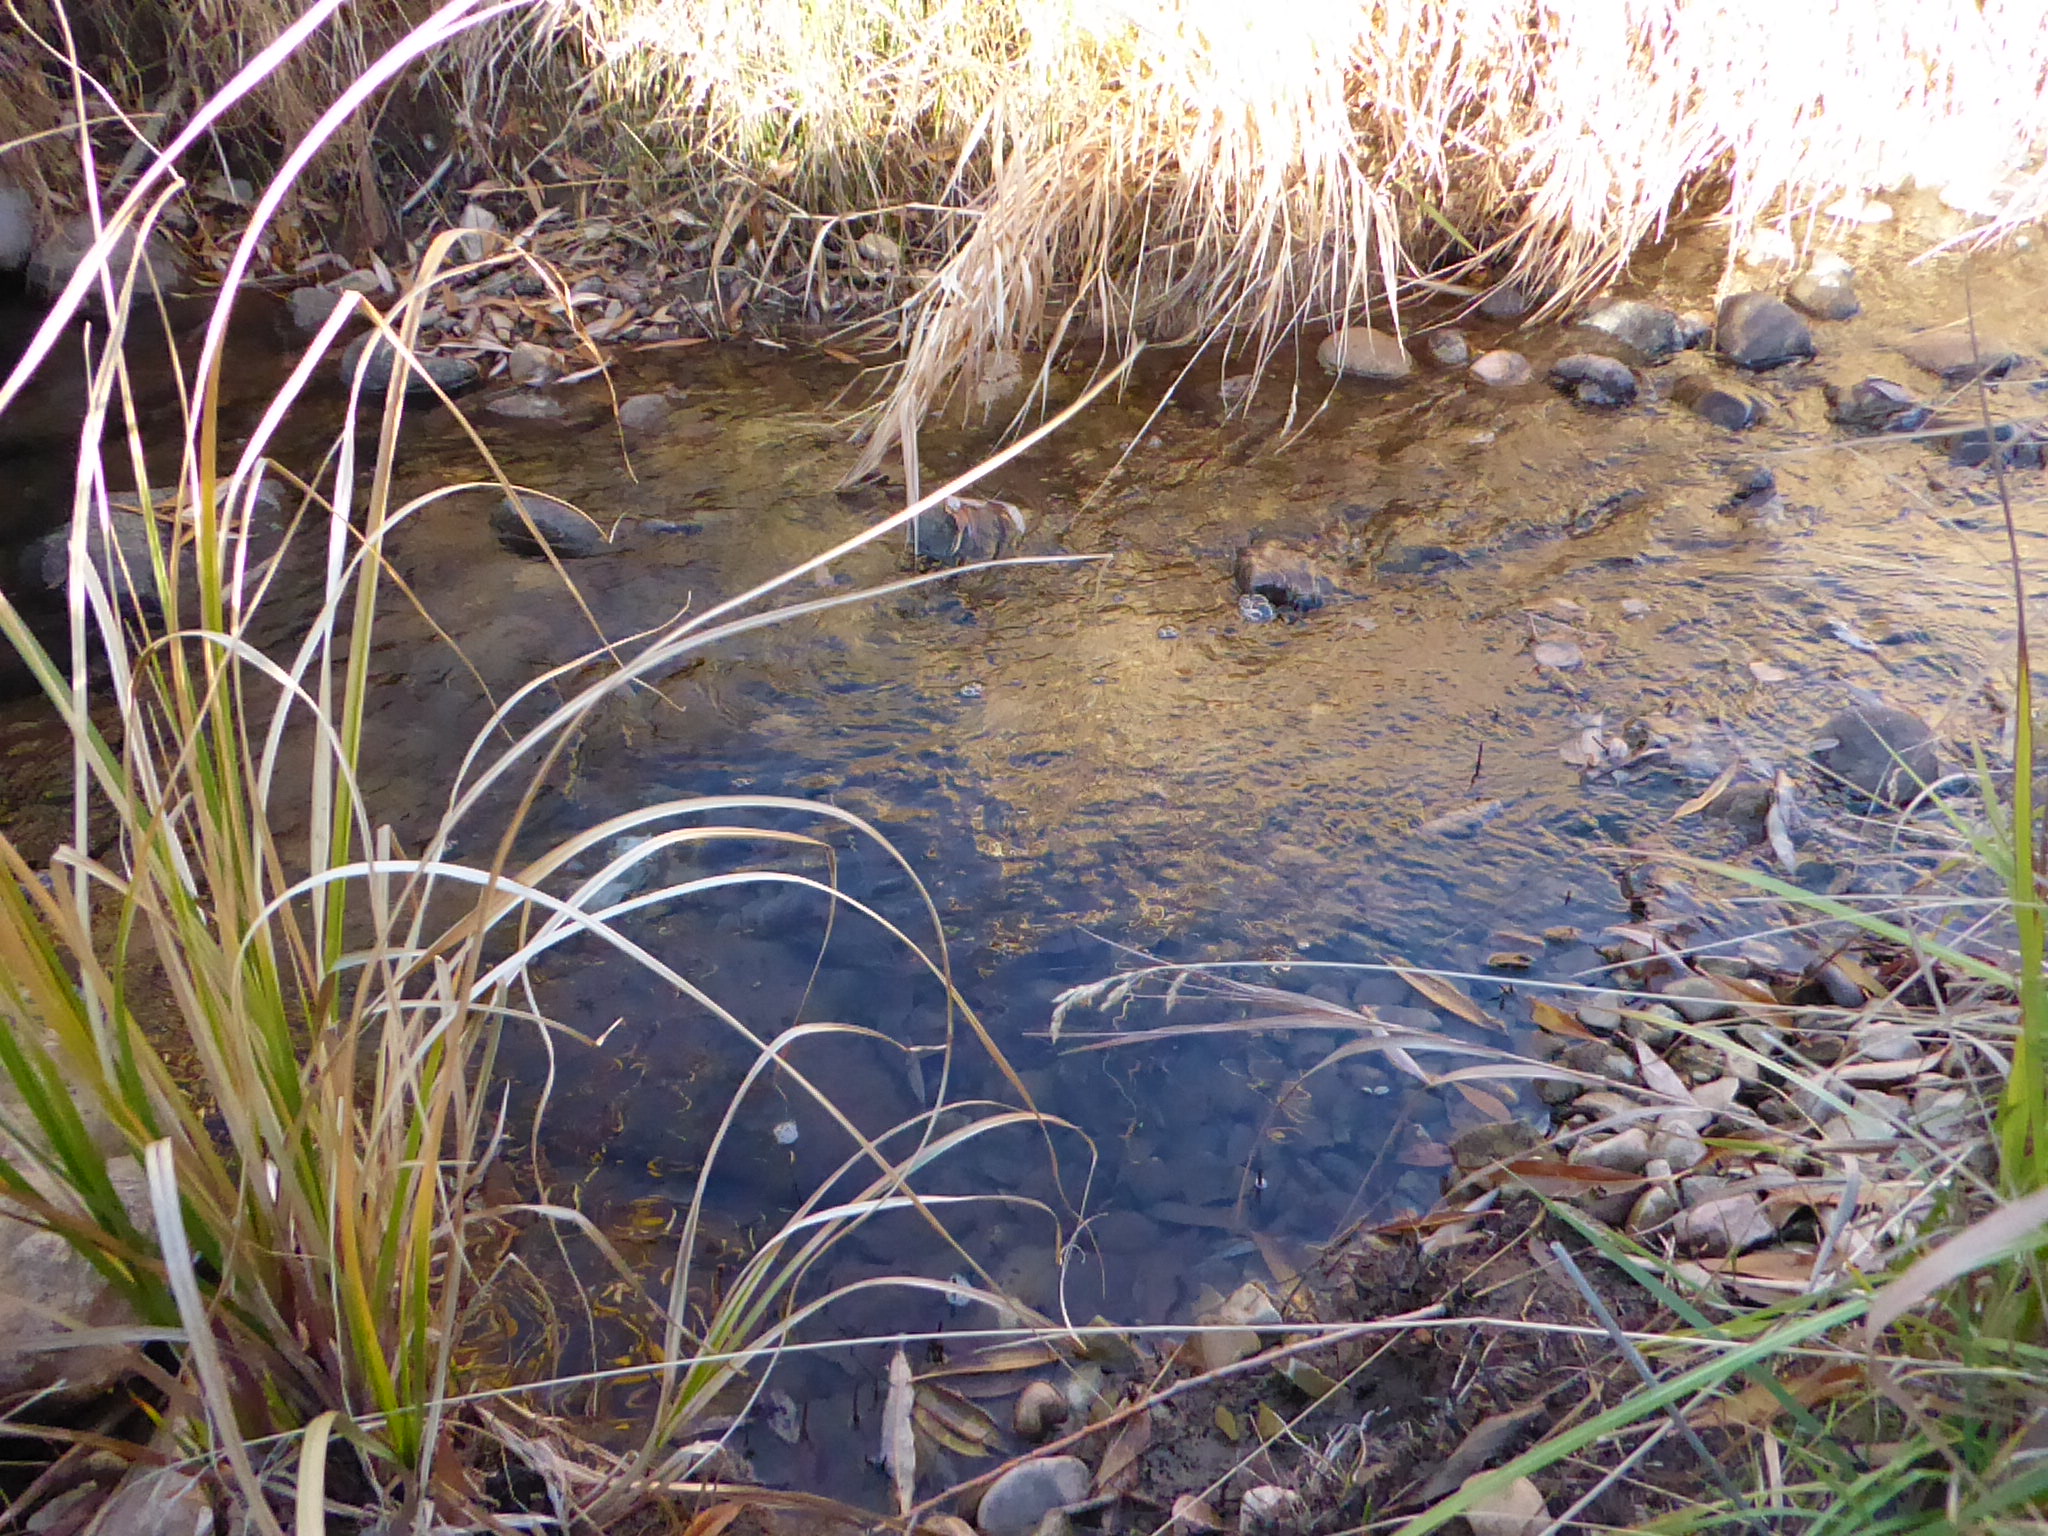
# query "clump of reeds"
(1220, 168)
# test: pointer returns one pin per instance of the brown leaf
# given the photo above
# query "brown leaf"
(948, 1419)
(1419, 1151)
(1119, 1470)
(1193, 1517)
(1554, 1020)
(1489, 1437)
(1445, 995)
(1710, 794)
(1756, 1405)
(1554, 1176)
(1510, 960)
(709, 1522)
(1487, 1104)
(1227, 1425)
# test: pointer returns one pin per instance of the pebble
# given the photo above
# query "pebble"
(1254, 608)
(1596, 1058)
(567, 532)
(1953, 355)
(1599, 1018)
(1359, 351)
(310, 307)
(1502, 369)
(1655, 1206)
(1493, 1141)
(1448, 348)
(1625, 1152)
(1041, 1408)
(524, 405)
(1648, 330)
(1884, 753)
(644, 413)
(452, 374)
(1168, 632)
(1699, 998)
(1508, 301)
(1885, 1042)
(1728, 406)
(1769, 248)
(1029, 1491)
(1875, 405)
(1678, 1147)
(1825, 294)
(2016, 444)
(1594, 380)
(1729, 1225)
(971, 691)
(1756, 331)
(531, 363)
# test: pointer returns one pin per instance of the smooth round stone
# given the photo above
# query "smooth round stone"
(452, 374)
(561, 527)
(1448, 348)
(1502, 369)
(1825, 295)
(1884, 753)
(1956, 358)
(1510, 301)
(1756, 331)
(1728, 406)
(1029, 1491)
(1361, 352)
(644, 413)
(1875, 405)
(1648, 330)
(527, 405)
(1594, 380)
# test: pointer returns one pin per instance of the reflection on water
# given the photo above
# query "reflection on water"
(1078, 758)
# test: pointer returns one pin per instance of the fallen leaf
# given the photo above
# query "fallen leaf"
(1227, 1425)
(899, 1437)
(1710, 794)
(1119, 1470)
(1554, 1176)
(1757, 1405)
(838, 356)
(1554, 1020)
(1489, 1437)
(1486, 1103)
(1510, 960)
(1778, 824)
(1420, 1152)
(1516, 1510)
(1271, 1426)
(1445, 995)
(1304, 1377)
(951, 1421)
(1764, 672)
(1193, 1517)
(710, 1522)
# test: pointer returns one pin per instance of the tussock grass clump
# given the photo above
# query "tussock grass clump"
(1185, 168)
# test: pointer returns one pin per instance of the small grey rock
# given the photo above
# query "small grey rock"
(1493, 1141)
(1594, 380)
(1883, 753)
(1655, 1206)
(1728, 406)
(1502, 369)
(1448, 348)
(1625, 1152)
(1268, 1510)
(311, 306)
(567, 532)
(1829, 295)
(1029, 1491)
(1875, 405)
(1650, 331)
(1885, 1042)
(963, 530)
(1359, 351)
(1953, 355)
(1695, 330)
(1256, 608)
(1730, 1225)
(644, 413)
(1041, 1408)
(1746, 807)
(1756, 331)
(1285, 577)
(531, 363)
(1508, 301)
(1699, 999)
(1596, 1058)
(526, 405)
(453, 374)
(118, 549)
(2018, 444)
(1678, 1147)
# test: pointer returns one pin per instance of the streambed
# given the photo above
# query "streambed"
(1083, 761)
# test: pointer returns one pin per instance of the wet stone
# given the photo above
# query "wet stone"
(1509, 301)
(1648, 330)
(525, 405)
(1596, 1058)
(310, 307)
(963, 530)
(1625, 1151)
(1361, 352)
(1875, 405)
(1825, 294)
(1493, 1141)
(644, 413)
(1730, 1225)
(567, 532)
(1883, 753)
(1728, 406)
(1745, 807)
(531, 363)
(1594, 380)
(1699, 999)
(375, 356)
(1957, 357)
(1284, 577)
(2017, 444)
(1502, 369)
(1448, 348)
(1029, 1491)
(1756, 331)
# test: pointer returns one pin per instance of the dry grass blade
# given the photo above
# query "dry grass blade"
(2015, 1227)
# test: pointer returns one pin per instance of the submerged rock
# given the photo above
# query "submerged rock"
(1285, 577)
(1508, 301)
(1875, 405)
(375, 356)
(310, 307)
(1594, 380)
(1648, 330)
(56, 259)
(963, 530)
(1359, 351)
(1756, 331)
(1029, 1491)
(531, 363)
(1448, 348)
(1957, 358)
(559, 526)
(526, 405)
(1884, 753)
(1502, 369)
(644, 413)
(1729, 406)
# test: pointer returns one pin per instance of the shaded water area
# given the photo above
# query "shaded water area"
(1075, 758)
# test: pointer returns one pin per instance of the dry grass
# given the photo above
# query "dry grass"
(1183, 168)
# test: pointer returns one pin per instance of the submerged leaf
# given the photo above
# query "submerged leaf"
(1554, 1020)
(1446, 995)
(1119, 1470)
(950, 1420)
(899, 1436)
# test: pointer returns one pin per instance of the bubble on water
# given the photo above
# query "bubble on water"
(1256, 608)
(961, 1293)
(785, 1133)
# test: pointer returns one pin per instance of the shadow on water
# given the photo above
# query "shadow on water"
(1079, 758)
